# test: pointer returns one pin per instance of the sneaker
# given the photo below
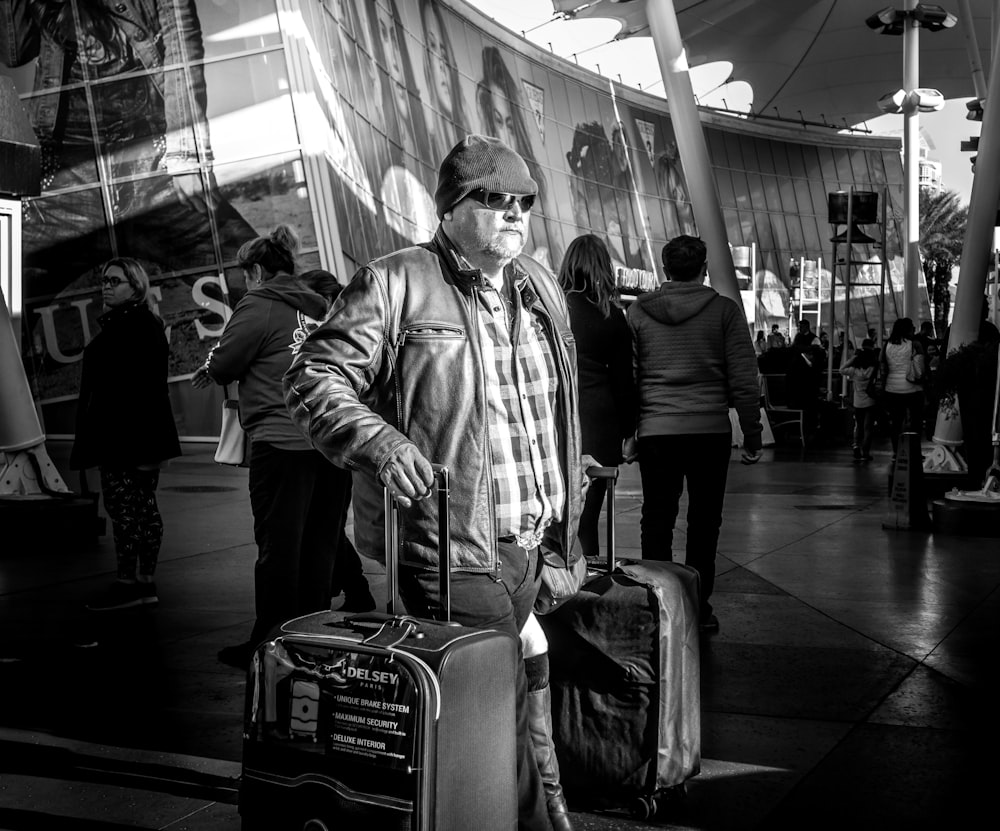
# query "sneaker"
(238, 656)
(147, 593)
(857, 452)
(120, 595)
(709, 625)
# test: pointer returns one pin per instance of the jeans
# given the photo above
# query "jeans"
(297, 497)
(481, 601)
(665, 463)
(864, 427)
(906, 412)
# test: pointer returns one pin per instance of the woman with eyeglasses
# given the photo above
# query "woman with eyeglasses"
(125, 427)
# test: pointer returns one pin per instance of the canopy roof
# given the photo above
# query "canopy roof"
(810, 59)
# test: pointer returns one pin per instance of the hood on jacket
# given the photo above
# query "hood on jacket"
(675, 302)
(291, 291)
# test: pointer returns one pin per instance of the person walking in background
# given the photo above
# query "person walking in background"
(348, 573)
(296, 495)
(125, 427)
(760, 344)
(775, 340)
(902, 365)
(604, 363)
(861, 368)
(463, 319)
(693, 361)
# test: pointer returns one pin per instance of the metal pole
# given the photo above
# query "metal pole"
(972, 47)
(692, 147)
(911, 167)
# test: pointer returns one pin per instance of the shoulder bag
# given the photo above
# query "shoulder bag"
(233, 440)
(915, 371)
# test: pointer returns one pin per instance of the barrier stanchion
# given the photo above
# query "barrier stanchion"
(907, 496)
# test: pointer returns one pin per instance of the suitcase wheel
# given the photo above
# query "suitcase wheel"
(643, 807)
(657, 804)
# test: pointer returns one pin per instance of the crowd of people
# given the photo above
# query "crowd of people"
(460, 351)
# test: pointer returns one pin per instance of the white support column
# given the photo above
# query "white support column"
(692, 147)
(911, 168)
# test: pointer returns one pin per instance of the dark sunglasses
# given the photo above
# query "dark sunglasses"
(112, 281)
(502, 201)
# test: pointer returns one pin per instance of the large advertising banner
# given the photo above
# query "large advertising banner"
(173, 131)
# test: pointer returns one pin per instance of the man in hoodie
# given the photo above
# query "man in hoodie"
(693, 361)
(296, 495)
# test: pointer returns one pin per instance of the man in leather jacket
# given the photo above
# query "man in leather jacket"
(459, 351)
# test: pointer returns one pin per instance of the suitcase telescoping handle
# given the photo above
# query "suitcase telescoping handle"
(442, 484)
(610, 475)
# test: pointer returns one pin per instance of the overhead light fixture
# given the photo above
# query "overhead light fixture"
(890, 21)
(934, 18)
(892, 102)
(921, 100)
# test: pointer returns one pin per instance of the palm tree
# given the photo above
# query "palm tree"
(942, 233)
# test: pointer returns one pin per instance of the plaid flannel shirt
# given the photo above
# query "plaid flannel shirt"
(521, 384)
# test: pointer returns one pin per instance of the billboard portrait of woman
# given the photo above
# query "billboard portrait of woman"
(501, 114)
(445, 108)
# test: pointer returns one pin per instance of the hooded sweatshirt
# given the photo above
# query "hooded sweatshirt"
(257, 347)
(693, 361)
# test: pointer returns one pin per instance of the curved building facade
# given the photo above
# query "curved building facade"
(175, 130)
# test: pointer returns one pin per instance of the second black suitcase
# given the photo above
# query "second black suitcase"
(625, 678)
(381, 721)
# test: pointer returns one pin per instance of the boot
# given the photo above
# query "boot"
(540, 728)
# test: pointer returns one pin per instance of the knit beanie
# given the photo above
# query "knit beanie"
(480, 162)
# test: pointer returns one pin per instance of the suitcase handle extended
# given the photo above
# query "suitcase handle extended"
(393, 540)
(609, 474)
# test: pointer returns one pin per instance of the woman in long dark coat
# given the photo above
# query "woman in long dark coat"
(604, 361)
(125, 427)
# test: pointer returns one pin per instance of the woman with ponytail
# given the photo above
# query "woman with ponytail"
(293, 488)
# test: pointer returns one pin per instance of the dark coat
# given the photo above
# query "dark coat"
(608, 402)
(123, 416)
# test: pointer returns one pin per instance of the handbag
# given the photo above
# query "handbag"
(915, 371)
(233, 440)
(559, 584)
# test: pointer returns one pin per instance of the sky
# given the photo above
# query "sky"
(633, 62)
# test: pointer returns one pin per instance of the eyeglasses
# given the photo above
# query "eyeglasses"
(113, 282)
(502, 201)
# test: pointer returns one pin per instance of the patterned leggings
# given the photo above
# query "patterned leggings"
(130, 500)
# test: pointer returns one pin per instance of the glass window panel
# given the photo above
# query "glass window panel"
(779, 155)
(810, 157)
(755, 195)
(787, 191)
(63, 238)
(796, 161)
(765, 160)
(734, 230)
(150, 218)
(268, 192)
(827, 165)
(724, 180)
(793, 226)
(734, 151)
(751, 163)
(779, 232)
(249, 107)
(803, 197)
(717, 148)
(741, 188)
(772, 197)
(230, 26)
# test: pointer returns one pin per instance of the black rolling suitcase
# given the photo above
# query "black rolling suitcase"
(381, 721)
(625, 680)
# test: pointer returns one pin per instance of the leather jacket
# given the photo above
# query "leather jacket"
(400, 359)
(161, 33)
